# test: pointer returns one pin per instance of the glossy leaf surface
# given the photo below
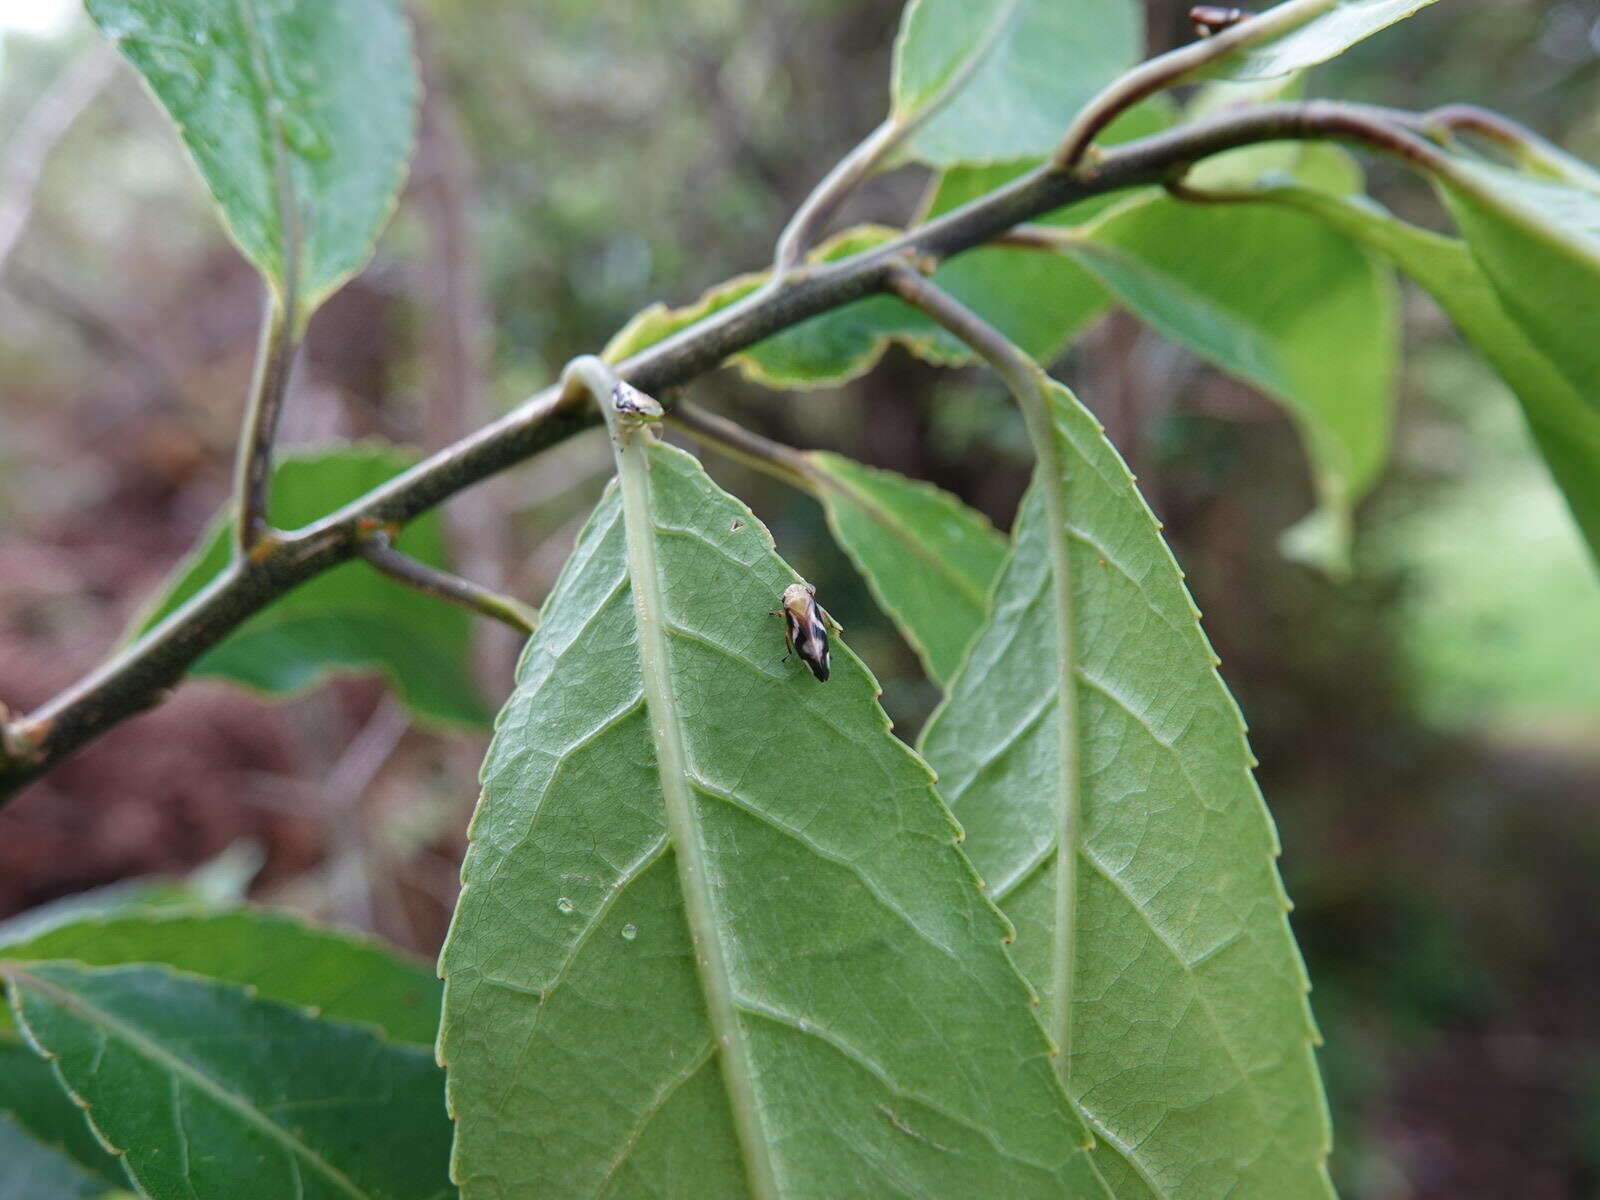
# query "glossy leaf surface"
(1538, 242)
(214, 1092)
(298, 114)
(1051, 58)
(1286, 303)
(1159, 940)
(1565, 427)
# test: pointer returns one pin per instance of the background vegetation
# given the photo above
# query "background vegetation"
(1426, 727)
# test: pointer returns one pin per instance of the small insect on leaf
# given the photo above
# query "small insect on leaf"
(1208, 19)
(805, 627)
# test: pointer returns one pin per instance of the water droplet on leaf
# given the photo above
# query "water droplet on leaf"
(630, 931)
(565, 905)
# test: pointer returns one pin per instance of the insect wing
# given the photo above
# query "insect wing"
(811, 644)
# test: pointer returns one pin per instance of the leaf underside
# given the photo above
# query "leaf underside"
(46, 1147)
(1054, 56)
(1191, 1040)
(33, 1170)
(889, 1044)
(1332, 30)
(928, 558)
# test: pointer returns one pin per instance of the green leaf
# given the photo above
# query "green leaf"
(1301, 33)
(340, 974)
(34, 1108)
(298, 113)
(214, 1092)
(348, 618)
(715, 938)
(1160, 942)
(1538, 241)
(1052, 57)
(928, 558)
(32, 1170)
(1282, 301)
(1565, 427)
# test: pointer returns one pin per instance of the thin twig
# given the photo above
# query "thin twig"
(1169, 69)
(874, 149)
(1016, 369)
(747, 446)
(138, 675)
(46, 123)
(380, 552)
(253, 468)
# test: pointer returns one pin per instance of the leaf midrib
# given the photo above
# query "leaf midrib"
(683, 826)
(1038, 405)
(278, 165)
(142, 1044)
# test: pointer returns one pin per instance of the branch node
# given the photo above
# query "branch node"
(22, 743)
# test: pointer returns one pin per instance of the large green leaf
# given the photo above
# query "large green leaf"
(349, 617)
(1565, 427)
(298, 113)
(1052, 57)
(928, 558)
(1538, 242)
(1280, 300)
(34, 1108)
(1159, 938)
(340, 974)
(715, 937)
(1301, 33)
(212, 1091)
